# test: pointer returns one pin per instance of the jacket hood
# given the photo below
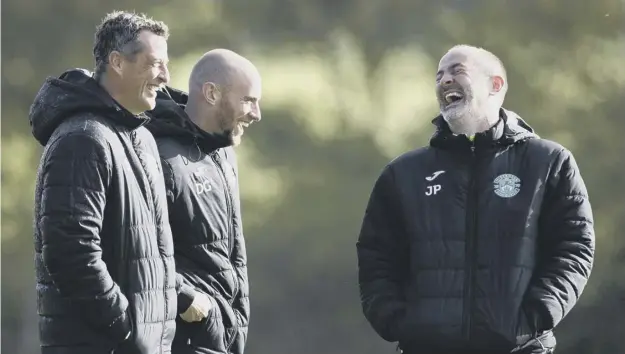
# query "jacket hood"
(509, 130)
(73, 93)
(169, 119)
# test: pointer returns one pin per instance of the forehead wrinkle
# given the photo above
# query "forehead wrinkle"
(479, 58)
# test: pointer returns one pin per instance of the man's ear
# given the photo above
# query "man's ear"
(497, 85)
(210, 92)
(116, 62)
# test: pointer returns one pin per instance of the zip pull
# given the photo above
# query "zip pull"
(471, 143)
(195, 147)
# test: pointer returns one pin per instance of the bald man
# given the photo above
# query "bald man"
(195, 134)
(483, 241)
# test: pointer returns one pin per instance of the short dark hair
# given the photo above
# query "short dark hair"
(119, 31)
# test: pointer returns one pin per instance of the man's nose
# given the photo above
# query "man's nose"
(256, 115)
(164, 75)
(447, 80)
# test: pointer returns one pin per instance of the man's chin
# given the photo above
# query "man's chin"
(235, 135)
(232, 138)
(451, 116)
(148, 104)
(454, 112)
(235, 140)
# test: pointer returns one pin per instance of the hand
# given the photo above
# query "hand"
(199, 308)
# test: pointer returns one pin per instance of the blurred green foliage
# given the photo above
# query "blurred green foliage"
(348, 85)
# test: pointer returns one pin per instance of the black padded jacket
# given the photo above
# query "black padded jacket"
(476, 246)
(106, 279)
(204, 210)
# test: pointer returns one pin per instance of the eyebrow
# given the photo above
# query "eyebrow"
(155, 59)
(457, 65)
(250, 98)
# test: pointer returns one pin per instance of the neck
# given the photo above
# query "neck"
(486, 122)
(491, 119)
(470, 126)
(200, 118)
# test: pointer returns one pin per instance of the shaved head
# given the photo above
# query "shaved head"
(224, 93)
(471, 85)
(485, 60)
(222, 67)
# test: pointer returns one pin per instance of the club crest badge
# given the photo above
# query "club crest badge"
(507, 185)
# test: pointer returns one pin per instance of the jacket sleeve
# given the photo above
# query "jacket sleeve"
(75, 179)
(382, 260)
(567, 245)
(186, 292)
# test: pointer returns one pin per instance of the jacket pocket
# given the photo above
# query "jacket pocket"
(529, 340)
(525, 330)
(210, 333)
(227, 312)
(230, 320)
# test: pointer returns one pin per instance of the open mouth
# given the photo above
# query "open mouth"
(245, 124)
(242, 126)
(453, 97)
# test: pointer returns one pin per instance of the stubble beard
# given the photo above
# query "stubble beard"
(463, 119)
(228, 124)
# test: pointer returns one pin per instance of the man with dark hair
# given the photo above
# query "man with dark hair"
(482, 242)
(195, 135)
(106, 279)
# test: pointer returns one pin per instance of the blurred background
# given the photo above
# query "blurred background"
(348, 85)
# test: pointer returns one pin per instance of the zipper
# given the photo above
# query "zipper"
(231, 236)
(230, 207)
(229, 203)
(151, 205)
(230, 229)
(470, 246)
